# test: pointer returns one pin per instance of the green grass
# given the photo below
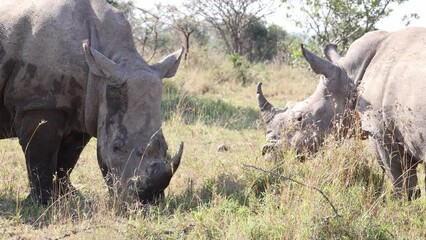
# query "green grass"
(214, 195)
(193, 109)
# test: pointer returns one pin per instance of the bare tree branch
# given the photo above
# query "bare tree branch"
(231, 17)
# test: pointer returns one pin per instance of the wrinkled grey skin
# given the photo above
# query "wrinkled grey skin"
(74, 65)
(382, 77)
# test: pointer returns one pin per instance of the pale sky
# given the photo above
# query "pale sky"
(390, 23)
(393, 21)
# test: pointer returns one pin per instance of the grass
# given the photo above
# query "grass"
(208, 111)
(214, 195)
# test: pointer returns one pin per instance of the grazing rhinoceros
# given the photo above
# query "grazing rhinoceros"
(383, 77)
(69, 71)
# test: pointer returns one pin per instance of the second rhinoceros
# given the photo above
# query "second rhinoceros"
(382, 77)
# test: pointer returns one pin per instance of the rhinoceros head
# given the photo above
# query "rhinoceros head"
(132, 150)
(302, 126)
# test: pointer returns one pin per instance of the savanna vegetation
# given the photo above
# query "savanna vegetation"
(224, 188)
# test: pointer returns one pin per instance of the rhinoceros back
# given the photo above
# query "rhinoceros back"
(393, 89)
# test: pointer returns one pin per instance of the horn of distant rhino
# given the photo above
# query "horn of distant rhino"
(267, 109)
(174, 163)
(319, 65)
(330, 51)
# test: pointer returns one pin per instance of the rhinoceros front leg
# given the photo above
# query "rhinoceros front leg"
(71, 147)
(398, 164)
(411, 179)
(40, 134)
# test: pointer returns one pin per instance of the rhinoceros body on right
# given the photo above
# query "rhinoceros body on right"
(383, 78)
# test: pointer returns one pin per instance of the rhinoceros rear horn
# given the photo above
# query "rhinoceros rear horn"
(266, 108)
(330, 51)
(319, 65)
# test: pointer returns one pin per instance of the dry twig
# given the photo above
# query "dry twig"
(300, 183)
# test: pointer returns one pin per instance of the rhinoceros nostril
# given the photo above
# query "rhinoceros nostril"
(267, 148)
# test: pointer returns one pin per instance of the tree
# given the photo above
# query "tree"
(231, 17)
(183, 20)
(146, 25)
(262, 43)
(114, 3)
(340, 21)
(256, 38)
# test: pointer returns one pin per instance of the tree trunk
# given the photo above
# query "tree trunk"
(187, 35)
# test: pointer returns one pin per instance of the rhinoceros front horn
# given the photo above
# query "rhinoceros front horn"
(319, 65)
(266, 108)
(174, 163)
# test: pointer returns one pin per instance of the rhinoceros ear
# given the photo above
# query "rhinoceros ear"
(330, 51)
(99, 64)
(319, 65)
(168, 66)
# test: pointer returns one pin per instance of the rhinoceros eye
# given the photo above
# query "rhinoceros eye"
(140, 151)
(117, 145)
(298, 117)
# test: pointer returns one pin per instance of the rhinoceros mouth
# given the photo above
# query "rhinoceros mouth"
(275, 150)
(151, 197)
(305, 145)
(131, 184)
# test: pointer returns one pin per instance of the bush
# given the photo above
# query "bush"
(241, 66)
